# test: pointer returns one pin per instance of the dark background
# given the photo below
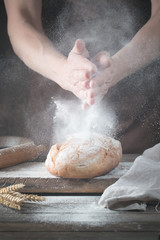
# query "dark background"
(25, 96)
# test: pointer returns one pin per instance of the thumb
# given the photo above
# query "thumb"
(80, 48)
(102, 60)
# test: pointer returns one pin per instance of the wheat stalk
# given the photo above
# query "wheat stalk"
(11, 198)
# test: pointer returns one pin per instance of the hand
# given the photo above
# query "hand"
(78, 71)
(102, 81)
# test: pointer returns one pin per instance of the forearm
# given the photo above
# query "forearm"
(37, 51)
(30, 43)
(142, 50)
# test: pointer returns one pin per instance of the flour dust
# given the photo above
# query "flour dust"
(69, 118)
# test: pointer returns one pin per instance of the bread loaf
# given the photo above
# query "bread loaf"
(84, 157)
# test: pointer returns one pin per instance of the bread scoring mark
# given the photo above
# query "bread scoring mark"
(79, 157)
(88, 150)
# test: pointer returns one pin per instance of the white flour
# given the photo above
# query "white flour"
(69, 119)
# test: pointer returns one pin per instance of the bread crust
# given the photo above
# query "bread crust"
(92, 156)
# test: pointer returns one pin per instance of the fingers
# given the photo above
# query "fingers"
(88, 78)
(102, 60)
(78, 57)
(84, 94)
(85, 105)
(89, 91)
(78, 60)
(84, 84)
(81, 79)
(92, 96)
(81, 63)
(102, 78)
(81, 75)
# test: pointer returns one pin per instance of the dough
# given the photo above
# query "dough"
(84, 156)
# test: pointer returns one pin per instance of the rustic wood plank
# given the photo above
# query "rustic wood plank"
(38, 180)
(78, 235)
(125, 158)
(65, 203)
(76, 213)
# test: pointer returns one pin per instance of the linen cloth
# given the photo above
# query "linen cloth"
(139, 186)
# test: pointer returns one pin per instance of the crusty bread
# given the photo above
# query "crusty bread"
(87, 157)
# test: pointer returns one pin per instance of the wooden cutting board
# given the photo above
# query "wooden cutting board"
(38, 180)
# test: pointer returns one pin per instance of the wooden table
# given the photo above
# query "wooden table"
(71, 210)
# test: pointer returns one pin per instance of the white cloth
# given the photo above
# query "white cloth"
(139, 186)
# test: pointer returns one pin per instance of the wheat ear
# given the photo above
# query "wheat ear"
(10, 197)
(15, 187)
(28, 197)
(34, 198)
(7, 203)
